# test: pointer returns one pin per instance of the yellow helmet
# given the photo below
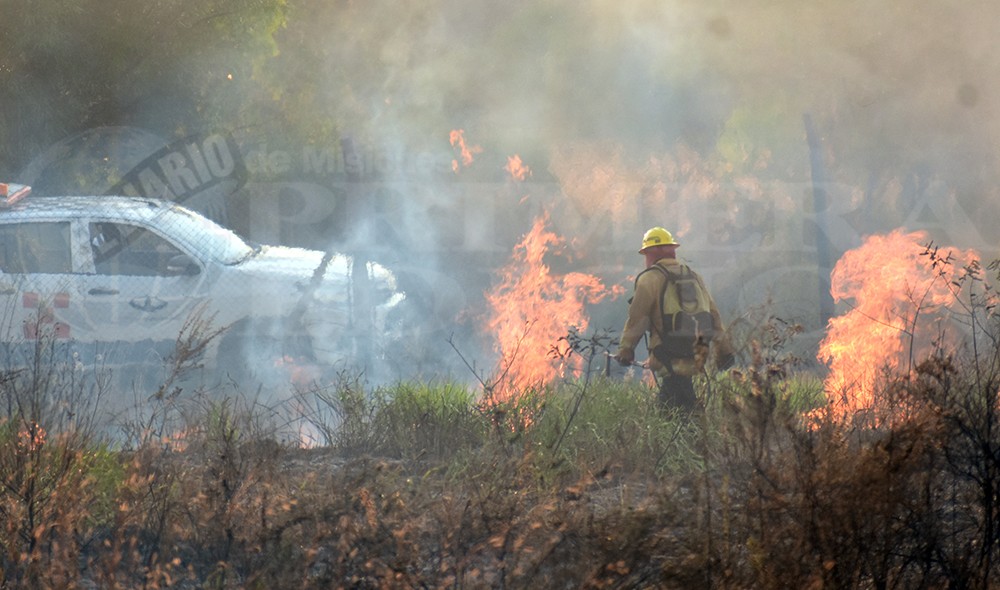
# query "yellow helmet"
(657, 237)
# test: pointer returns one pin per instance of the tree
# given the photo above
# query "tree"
(172, 66)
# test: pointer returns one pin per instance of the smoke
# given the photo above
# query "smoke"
(638, 112)
(630, 113)
(899, 83)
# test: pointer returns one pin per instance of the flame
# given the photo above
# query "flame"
(466, 153)
(517, 169)
(531, 308)
(300, 373)
(896, 295)
(31, 437)
(176, 440)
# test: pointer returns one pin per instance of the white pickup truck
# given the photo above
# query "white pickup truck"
(114, 280)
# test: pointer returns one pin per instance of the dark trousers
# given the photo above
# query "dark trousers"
(677, 391)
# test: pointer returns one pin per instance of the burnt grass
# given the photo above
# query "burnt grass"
(586, 485)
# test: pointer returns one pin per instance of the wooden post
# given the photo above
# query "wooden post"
(819, 189)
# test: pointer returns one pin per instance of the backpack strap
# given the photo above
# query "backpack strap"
(669, 275)
(683, 271)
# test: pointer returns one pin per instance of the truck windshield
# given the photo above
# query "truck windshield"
(206, 236)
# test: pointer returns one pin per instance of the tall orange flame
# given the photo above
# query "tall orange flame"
(896, 295)
(531, 308)
(516, 168)
(466, 153)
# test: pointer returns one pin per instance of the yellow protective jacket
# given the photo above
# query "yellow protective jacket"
(646, 316)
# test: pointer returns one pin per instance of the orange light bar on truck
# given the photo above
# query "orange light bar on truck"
(11, 193)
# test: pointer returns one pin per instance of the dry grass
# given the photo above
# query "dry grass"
(751, 497)
(582, 485)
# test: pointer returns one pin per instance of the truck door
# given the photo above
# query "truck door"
(142, 291)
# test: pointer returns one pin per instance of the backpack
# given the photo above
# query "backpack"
(687, 315)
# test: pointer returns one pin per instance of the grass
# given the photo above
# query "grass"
(585, 483)
(433, 488)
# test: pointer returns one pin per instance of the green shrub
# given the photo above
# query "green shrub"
(614, 424)
(428, 420)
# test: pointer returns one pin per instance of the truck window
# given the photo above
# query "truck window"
(35, 248)
(122, 249)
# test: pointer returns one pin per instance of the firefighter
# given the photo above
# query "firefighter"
(646, 315)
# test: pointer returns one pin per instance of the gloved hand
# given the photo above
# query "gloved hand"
(625, 356)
